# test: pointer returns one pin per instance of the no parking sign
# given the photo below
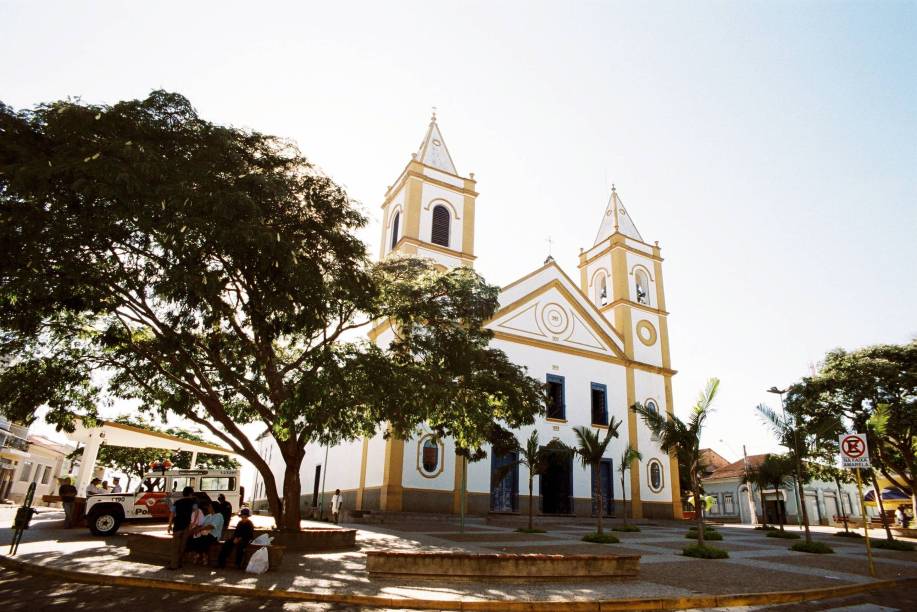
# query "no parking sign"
(854, 452)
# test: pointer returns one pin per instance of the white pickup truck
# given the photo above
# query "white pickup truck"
(151, 501)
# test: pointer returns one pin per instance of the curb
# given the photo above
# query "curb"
(606, 605)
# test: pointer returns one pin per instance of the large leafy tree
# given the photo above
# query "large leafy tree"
(875, 389)
(590, 450)
(683, 439)
(213, 273)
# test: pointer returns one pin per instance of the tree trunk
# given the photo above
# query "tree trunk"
(598, 501)
(290, 513)
(875, 486)
(531, 481)
(624, 494)
(764, 510)
(840, 502)
(699, 515)
(805, 512)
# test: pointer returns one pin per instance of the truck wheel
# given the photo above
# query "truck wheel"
(104, 523)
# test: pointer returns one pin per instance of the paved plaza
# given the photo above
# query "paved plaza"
(756, 563)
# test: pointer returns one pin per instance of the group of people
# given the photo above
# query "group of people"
(196, 523)
(97, 486)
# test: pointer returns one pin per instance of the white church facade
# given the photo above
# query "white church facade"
(600, 345)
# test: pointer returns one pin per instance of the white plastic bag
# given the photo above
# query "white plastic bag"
(259, 562)
(262, 540)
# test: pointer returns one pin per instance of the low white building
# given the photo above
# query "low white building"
(43, 464)
(600, 343)
(824, 500)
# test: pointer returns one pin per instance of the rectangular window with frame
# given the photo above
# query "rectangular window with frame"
(556, 406)
(599, 393)
(46, 477)
(218, 483)
(715, 506)
(728, 504)
(26, 471)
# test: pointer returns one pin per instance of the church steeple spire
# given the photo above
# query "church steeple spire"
(433, 151)
(616, 220)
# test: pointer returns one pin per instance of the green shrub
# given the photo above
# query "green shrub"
(626, 528)
(768, 528)
(848, 534)
(709, 534)
(527, 530)
(605, 538)
(818, 548)
(704, 552)
(891, 544)
(783, 535)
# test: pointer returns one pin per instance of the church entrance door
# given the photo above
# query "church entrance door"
(504, 495)
(556, 485)
(608, 502)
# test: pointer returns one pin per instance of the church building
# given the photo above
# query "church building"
(599, 343)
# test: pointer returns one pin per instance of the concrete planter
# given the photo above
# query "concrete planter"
(314, 540)
(502, 567)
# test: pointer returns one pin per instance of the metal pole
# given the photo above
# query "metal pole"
(872, 566)
(798, 467)
(321, 496)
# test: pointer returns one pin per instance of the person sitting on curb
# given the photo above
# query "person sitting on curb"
(67, 494)
(207, 533)
(179, 522)
(241, 537)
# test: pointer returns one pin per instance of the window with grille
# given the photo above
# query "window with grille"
(556, 407)
(440, 230)
(395, 229)
(599, 404)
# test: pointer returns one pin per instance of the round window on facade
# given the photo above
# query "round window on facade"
(651, 405)
(655, 474)
(429, 457)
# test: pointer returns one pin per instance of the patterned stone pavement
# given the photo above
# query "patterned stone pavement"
(756, 563)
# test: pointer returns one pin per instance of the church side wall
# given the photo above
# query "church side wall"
(648, 386)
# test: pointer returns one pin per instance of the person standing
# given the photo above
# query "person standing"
(225, 508)
(179, 523)
(67, 494)
(336, 503)
(116, 485)
(241, 538)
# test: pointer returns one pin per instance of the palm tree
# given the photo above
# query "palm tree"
(683, 439)
(801, 442)
(630, 455)
(756, 476)
(591, 450)
(535, 458)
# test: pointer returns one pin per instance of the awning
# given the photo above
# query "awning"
(890, 494)
(119, 434)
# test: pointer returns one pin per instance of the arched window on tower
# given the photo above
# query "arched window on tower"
(601, 291)
(439, 233)
(642, 286)
(395, 224)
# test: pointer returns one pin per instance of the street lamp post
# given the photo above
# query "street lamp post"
(780, 392)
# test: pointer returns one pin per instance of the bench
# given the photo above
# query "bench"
(159, 546)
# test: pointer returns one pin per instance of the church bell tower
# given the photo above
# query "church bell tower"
(429, 210)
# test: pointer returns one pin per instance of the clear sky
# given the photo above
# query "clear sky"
(770, 147)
